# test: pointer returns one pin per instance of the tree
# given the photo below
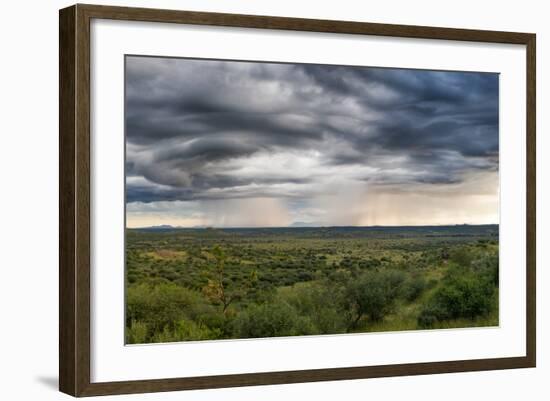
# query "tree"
(217, 288)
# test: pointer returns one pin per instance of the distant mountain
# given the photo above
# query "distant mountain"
(453, 230)
(162, 227)
(304, 224)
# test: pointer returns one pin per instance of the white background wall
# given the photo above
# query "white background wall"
(28, 200)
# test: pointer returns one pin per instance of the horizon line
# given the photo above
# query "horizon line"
(169, 226)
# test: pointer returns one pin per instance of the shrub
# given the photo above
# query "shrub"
(137, 333)
(414, 287)
(487, 266)
(373, 294)
(271, 320)
(185, 330)
(320, 303)
(431, 314)
(159, 305)
(462, 294)
(462, 256)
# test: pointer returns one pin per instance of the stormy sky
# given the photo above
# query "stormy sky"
(250, 144)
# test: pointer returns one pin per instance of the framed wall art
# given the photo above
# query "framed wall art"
(250, 200)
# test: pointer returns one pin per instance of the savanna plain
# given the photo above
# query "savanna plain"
(211, 283)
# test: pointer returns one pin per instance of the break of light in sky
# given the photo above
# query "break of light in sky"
(250, 144)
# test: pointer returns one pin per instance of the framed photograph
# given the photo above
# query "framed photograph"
(250, 200)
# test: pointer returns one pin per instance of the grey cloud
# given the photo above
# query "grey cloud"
(188, 120)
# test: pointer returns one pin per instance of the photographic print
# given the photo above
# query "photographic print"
(282, 199)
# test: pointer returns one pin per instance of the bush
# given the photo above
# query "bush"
(137, 333)
(487, 266)
(462, 256)
(271, 320)
(320, 303)
(185, 330)
(431, 314)
(373, 294)
(160, 306)
(463, 294)
(414, 287)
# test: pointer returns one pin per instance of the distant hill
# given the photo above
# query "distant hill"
(304, 224)
(162, 227)
(459, 230)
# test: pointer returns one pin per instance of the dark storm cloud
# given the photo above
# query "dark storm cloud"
(199, 129)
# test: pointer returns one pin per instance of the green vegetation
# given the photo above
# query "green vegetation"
(206, 284)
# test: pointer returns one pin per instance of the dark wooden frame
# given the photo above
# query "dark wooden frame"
(74, 200)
